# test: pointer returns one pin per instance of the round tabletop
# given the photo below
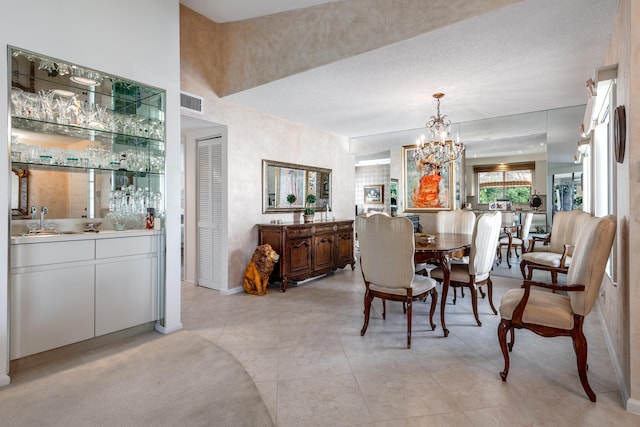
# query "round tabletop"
(441, 242)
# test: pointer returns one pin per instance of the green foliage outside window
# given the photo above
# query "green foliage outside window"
(514, 185)
(514, 194)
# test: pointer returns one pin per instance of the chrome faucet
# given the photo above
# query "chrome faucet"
(34, 212)
(43, 212)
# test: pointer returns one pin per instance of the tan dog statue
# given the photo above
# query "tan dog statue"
(256, 276)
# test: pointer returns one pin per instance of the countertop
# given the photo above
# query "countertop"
(66, 236)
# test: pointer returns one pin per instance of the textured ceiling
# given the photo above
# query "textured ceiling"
(531, 56)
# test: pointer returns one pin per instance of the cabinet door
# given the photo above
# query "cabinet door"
(345, 247)
(50, 309)
(126, 294)
(324, 252)
(299, 256)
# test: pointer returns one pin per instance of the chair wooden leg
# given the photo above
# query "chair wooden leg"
(512, 341)
(404, 307)
(482, 293)
(523, 265)
(434, 302)
(554, 277)
(474, 302)
(503, 327)
(409, 310)
(384, 308)
(367, 310)
(580, 347)
(490, 293)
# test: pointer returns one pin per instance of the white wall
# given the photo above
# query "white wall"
(253, 136)
(138, 40)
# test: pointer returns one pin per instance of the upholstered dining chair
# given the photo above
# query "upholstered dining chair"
(387, 248)
(456, 221)
(556, 256)
(550, 314)
(478, 271)
(510, 241)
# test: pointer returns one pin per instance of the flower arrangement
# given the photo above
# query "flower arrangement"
(291, 199)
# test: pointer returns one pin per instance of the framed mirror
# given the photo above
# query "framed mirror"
(19, 192)
(281, 180)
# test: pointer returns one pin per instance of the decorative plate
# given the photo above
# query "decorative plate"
(619, 132)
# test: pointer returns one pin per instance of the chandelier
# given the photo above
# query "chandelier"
(438, 151)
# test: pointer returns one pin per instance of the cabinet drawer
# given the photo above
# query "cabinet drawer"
(125, 246)
(31, 254)
(294, 232)
(324, 228)
(345, 227)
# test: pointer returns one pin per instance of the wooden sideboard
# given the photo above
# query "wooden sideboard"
(308, 250)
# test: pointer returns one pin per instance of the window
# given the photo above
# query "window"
(604, 184)
(505, 181)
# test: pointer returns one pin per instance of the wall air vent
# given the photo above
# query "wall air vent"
(191, 102)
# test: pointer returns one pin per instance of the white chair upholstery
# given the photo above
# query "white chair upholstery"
(457, 221)
(387, 248)
(478, 271)
(556, 257)
(551, 314)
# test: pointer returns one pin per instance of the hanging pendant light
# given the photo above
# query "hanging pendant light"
(438, 151)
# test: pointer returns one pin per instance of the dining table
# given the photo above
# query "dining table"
(438, 249)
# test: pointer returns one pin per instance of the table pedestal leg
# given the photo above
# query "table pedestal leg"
(446, 273)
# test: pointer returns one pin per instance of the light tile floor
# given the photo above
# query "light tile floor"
(304, 351)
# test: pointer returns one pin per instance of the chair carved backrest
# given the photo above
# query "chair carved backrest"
(565, 229)
(508, 220)
(483, 243)
(590, 257)
(457, 221)
(387, 248)
(526, 226)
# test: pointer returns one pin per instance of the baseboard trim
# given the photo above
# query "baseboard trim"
(624, 393)
(166, 331)
(5, 380)
(232, 291)
(633, 406)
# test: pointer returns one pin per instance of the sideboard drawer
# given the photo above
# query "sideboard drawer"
(325, 228)
(295, 232)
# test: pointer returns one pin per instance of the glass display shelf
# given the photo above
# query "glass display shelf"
(80, 132)
(79, 168)
(130, 94)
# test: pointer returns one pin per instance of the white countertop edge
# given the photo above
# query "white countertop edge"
(102, 234)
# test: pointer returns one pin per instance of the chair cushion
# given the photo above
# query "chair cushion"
(514, 241)
(543, 308)
(459, 273)
(550, 259)
(420, 285)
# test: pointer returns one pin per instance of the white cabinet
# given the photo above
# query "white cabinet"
(68, 291)
(51, 308)
(125, 295)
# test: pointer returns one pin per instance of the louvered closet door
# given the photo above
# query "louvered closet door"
(210, 206)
